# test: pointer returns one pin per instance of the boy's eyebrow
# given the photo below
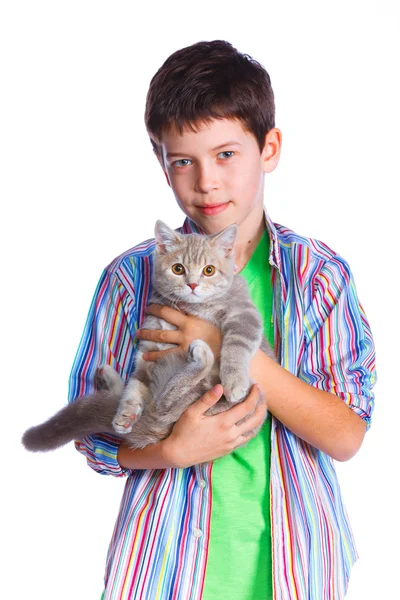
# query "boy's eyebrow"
(230, 143)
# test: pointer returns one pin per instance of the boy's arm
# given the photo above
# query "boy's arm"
(107, 338)
(319, 418)
(154, 456)
(330, 402)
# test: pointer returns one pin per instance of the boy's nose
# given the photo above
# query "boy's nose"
(193, 285)
(206, 180)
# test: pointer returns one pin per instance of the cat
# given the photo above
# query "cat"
(193, 273)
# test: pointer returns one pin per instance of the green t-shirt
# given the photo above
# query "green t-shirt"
(239, 563)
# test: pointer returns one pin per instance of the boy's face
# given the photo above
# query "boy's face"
(217, 173)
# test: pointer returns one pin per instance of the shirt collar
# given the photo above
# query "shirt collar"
(274, 251)
(274, 254)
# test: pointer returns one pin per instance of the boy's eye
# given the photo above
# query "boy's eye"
(230, 152)
(185, 162)
(209, 270)
(178, 269)
(182, 162)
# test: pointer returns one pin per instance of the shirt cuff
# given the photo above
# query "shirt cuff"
(101, 454)
(361, 405)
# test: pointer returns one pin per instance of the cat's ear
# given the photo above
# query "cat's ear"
(165, 237)
(226, 239)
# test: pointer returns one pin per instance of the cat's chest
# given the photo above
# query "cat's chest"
(213, 314)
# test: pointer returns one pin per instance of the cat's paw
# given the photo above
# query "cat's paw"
(128, 413)
(201, 353)
(105, 378)
(236, 387)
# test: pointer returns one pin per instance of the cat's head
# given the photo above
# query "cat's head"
(193, 268)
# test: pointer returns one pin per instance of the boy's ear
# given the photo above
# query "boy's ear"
(226, 239)
(166, 237)
(272, 150)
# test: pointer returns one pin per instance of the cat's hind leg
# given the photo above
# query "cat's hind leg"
(180, 390)
(133, 398)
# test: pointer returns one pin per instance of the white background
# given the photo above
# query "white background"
(80, 184)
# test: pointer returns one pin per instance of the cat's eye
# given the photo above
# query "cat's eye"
(209, 270)
(178, 269)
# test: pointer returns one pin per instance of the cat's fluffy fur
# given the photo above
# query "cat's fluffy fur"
(158, 392)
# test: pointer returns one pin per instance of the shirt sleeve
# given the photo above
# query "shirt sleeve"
(339, 352)
(107, 339)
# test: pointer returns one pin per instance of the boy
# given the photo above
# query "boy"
(265, 520)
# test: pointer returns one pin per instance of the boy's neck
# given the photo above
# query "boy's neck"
(247, 241)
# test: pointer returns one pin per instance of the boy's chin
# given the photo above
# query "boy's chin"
(212, 225)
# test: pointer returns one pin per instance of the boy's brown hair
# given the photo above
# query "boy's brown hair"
(205, 81)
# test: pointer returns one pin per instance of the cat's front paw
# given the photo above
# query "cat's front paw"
(106, 378)
(127, 415)
(236, 387)
(200, 353)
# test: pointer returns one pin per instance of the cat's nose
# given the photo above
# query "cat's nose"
(193, 286)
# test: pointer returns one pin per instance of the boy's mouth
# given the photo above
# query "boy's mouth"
(213, 209)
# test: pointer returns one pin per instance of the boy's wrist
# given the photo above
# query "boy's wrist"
(169, 454)
(153, 456)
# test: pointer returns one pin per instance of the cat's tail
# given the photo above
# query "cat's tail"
(87, 415)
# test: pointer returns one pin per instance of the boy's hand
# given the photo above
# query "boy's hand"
(198, 438)
(189, 328)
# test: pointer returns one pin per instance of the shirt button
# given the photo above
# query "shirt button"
(197, 533)
(202, 483)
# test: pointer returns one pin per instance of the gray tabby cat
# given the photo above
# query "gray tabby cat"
(195, 274)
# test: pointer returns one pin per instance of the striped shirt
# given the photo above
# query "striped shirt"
(159, 545)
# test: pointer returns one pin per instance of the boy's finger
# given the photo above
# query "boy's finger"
(165, 336)
(242, 409)
(253, 421)
(208, 399)
(154, 356)
(171, 315)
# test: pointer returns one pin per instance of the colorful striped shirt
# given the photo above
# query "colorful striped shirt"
(159, 545)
